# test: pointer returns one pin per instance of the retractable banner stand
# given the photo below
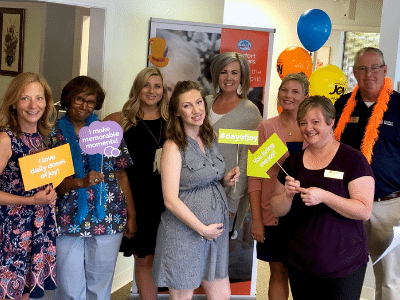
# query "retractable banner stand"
(184, 51)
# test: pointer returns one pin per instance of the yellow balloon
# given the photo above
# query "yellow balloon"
(328, 81)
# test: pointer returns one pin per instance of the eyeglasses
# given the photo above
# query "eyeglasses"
(80, 101)
(363, 69)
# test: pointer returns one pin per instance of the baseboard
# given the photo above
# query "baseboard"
(367, 293)
(198, 297)
(122, 279)
(125, 277)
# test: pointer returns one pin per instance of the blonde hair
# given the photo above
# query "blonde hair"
(131, 112)
(8, 114)
(300, 78)
(175, 131)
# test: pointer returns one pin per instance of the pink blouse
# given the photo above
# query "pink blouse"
(267, 185)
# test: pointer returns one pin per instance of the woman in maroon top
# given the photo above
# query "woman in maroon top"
(326, 198)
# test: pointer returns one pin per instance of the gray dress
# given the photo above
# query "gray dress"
(183, 259)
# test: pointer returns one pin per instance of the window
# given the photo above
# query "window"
(353, 42)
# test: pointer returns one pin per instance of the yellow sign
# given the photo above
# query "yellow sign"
(50, 166)
(265, 157)
(235, 136)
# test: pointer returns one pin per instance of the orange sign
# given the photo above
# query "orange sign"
(254, 46)
(50, 166)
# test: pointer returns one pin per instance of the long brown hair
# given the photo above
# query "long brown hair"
(131, 112)
(8, 114)
(175, 131)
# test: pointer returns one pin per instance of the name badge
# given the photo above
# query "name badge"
(354, 119)
(333, 174)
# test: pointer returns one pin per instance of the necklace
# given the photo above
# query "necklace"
(287, 126)
(157, 156)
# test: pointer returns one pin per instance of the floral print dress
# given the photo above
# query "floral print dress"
(27, 232)
(115, 208)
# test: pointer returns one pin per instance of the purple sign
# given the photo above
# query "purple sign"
(101, 137)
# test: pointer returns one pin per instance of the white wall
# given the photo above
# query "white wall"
(390, 42)
(35, 19)
(131, 30)
(58, 46)
(284, 15)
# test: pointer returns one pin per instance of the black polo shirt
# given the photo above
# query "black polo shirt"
(386, 153)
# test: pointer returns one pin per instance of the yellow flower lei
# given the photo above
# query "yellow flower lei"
(372, 130)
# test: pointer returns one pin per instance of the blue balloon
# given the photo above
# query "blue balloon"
(313, 29)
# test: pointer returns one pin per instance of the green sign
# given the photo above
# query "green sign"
(235, 136)
(265, 157)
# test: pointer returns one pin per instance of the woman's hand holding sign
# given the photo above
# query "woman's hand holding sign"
(292, 187)
(283, 196)
(46, 196)
(312, 196)
(92, 178)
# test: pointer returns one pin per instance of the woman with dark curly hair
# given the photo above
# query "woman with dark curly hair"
(93, 204)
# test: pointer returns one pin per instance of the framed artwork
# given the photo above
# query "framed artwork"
(322, 57)
(12, 26)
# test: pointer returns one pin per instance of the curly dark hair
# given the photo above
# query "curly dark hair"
(82, 84)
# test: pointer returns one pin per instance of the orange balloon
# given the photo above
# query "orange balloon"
(294, 60)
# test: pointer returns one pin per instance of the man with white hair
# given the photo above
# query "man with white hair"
(368, 119)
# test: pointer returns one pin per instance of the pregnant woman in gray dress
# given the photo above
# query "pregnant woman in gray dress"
(192, 239)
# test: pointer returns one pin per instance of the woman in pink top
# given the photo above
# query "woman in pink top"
(265, 229)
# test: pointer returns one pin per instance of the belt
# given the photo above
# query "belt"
(389, 197)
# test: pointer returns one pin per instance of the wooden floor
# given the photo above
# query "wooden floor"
(262, 285)
(123, 293)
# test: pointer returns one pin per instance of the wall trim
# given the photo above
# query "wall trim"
(122, 279)
(367, 293)
(356, 28)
